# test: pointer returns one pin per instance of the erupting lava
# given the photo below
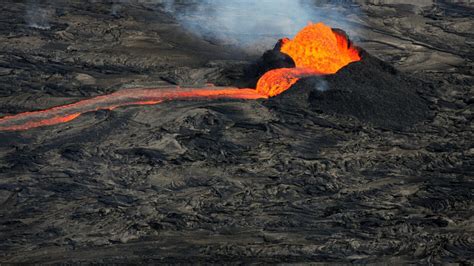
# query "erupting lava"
(316, 50)
(321, 49)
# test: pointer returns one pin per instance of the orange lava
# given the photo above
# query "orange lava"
(66, 113)
(44, 122)
(279, 80)
(321, 49)
(316, 50)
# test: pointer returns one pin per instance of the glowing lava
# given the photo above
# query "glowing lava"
(321, 49)
(316, 50)
(279, 80)
(66, 113)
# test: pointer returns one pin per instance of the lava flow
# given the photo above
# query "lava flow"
(65, 113)
(316, 50)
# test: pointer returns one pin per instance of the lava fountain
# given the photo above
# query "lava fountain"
(320, 48)
(316, 50)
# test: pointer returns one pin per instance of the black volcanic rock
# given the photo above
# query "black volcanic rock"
(271, 59)
(301, 178)
(369, 90)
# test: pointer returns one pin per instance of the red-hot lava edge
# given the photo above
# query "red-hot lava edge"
(316, 50)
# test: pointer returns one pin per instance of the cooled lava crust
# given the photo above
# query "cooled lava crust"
(299, 178)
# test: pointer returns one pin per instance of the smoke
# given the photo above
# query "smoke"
(321, 85)
(38, 16)
(115, 9)
(251, 24)
(168, 6)
(254, 25)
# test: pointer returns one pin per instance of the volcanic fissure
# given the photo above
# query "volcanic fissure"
(316, 50)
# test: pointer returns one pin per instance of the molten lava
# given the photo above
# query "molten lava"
(66, 113)
(316, 50)
(321, 49)
(279, 80)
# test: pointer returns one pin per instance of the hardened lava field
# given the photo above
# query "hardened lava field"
(212, 132)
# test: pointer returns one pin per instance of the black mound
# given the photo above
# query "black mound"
(271, 59)
(370, 90)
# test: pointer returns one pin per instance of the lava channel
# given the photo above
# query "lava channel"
(66, 113)
(316, 50)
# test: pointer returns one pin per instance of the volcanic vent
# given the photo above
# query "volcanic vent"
(322, 71)
(317, 51)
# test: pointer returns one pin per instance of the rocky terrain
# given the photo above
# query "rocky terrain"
(377, 167)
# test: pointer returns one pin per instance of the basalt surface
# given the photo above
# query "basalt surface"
(371, 164)
(370, 90)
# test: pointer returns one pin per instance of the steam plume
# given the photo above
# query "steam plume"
(37, 16)
(251, 24)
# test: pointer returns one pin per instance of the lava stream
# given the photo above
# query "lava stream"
(66, 113)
